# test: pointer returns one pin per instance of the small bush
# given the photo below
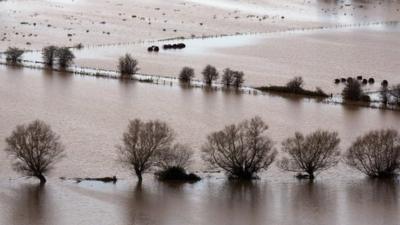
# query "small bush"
(176, 174)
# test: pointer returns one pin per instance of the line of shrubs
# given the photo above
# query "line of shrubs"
(63, 56)
(295, 86)
(242, 150)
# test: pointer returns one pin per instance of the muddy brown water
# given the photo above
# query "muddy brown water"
(90, 115)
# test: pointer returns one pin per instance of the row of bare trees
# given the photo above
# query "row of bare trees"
(50, 54)
(63, 55)
(353, 91)
(230, 78)
(242, 150)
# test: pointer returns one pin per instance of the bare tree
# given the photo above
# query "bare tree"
(241, 150)
(65, 57)
(232, 77)
(142, 144)
(313, 153)
(238, 79)
(228, 77)
(353, 91)
(176, 156)
(13, 55)
(395, 93)
(186, 74)
(35, 148)
(127, 65)
(210, 74)
(49, 54)
(296, 84)
(376, 154)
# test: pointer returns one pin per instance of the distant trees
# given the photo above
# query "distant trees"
(34, 148)
(65, 57)
(395, 92)
(310, 154)
(228, 77)
(127, 65)
(210, 74)
(143, 143)
(232, 78)
(13, 55)
(186, 74)
(241, 150)
(49, 54)
(295, 85)
(353, 91)
(376, 154)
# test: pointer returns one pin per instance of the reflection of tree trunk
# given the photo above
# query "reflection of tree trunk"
(41, 178)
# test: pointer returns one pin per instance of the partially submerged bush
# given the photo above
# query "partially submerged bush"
(13, 55)
(127, 65)
(65, 57)
(173, 163)
(310, 154)
(177, 174)
(35, 148)
(176, 155)
(186, 74)
(241, 150)
(376, 154)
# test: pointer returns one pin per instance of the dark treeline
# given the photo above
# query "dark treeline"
(242, 150)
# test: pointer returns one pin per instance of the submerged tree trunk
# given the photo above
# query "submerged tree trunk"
(41, 178)
(139, 175)
(311, 175)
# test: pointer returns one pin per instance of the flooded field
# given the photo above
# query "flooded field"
(270, 41)
(74, 107)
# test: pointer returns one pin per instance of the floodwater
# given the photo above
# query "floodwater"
(90, 115)
(318, 55)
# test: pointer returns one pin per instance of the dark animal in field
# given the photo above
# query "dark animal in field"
(153, 48)
(174, 46)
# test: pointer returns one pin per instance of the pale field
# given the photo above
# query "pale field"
(127, 21)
